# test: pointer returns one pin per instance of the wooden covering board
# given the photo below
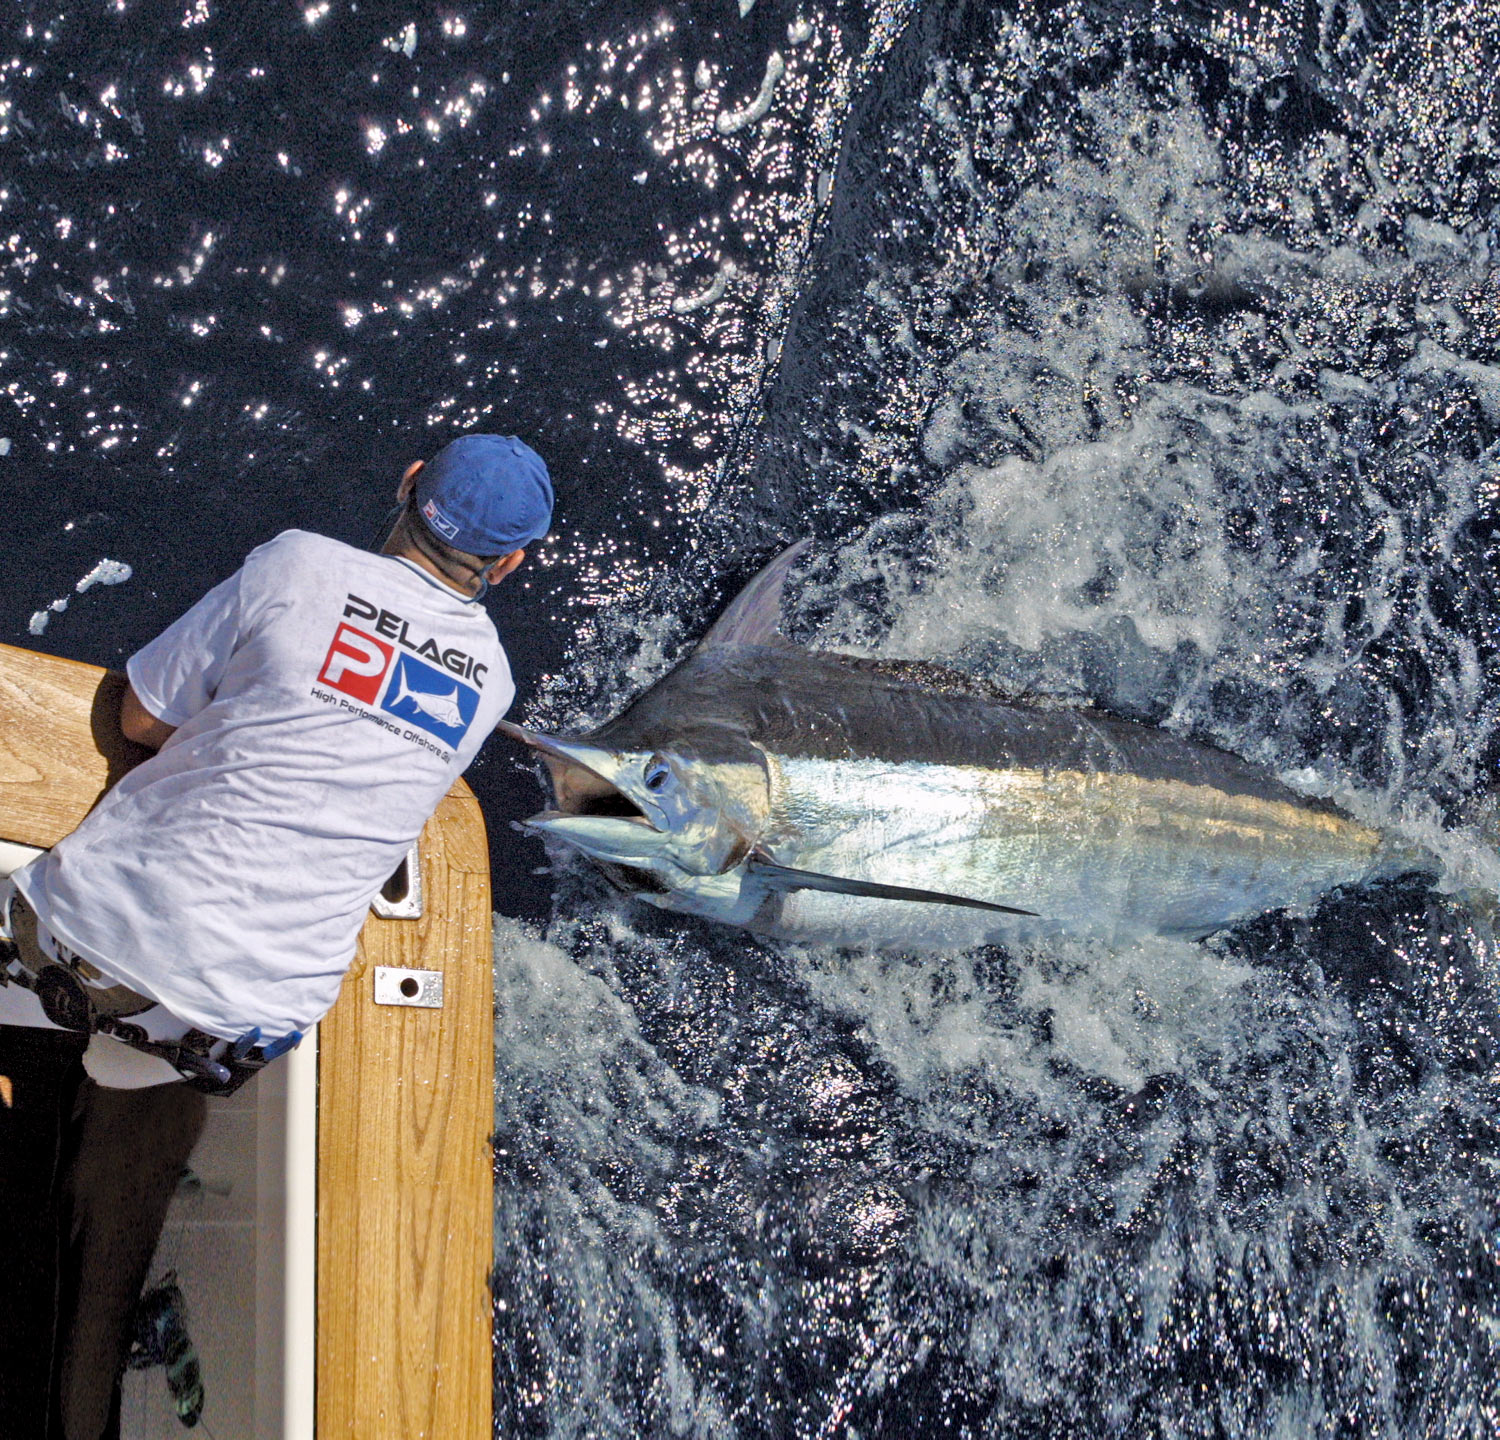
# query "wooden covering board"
(405, 1102)
(60, 743)
(405, 1207)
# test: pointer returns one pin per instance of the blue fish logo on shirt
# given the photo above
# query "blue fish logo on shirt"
(431, 699)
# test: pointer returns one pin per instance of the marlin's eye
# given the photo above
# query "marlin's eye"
(658, 772)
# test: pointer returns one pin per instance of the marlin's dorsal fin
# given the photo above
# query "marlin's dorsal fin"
(783, 877)
(754, 615)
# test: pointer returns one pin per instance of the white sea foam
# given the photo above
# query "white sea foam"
(730, 122)
(710, 295)
(404, 42)
(106, 572)
(1119, 1013)
(37, 625)
(577, 1086)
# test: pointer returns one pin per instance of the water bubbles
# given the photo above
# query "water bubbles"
(106, 572)
(711, 294)
(404, 43)
(863, 1221)
(193, 79)
(729, 122)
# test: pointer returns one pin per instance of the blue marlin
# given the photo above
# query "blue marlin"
(824, 797)
(442, 708)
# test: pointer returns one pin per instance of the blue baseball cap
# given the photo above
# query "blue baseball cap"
(486, 494)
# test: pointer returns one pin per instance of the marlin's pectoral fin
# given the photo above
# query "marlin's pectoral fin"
(783, 877)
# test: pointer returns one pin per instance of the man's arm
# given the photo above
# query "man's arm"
(140, 725)
(176, 675)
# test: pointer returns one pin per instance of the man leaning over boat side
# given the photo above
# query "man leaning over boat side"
(308, 714)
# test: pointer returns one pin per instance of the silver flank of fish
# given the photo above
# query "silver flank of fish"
(1091, 854)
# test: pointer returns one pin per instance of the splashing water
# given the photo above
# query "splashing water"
(1149, 359)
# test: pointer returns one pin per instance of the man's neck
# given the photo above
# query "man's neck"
(394, 546)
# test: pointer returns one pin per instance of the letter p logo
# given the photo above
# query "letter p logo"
(356, 664)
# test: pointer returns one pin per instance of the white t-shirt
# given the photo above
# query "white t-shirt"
(326, 699)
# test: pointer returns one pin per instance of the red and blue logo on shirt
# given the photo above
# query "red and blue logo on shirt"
(422, 695)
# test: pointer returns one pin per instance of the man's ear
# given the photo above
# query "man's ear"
(408, 479)
(503, 566)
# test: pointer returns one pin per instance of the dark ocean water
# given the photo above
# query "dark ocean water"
(1142, 353)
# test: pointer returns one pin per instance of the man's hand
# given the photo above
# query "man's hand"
(140, 725)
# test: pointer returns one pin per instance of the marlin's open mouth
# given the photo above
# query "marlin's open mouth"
(580, 775)
(593, 813)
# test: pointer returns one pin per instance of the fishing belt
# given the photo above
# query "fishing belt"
(74, 996)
